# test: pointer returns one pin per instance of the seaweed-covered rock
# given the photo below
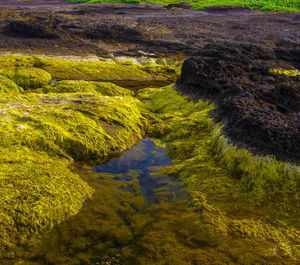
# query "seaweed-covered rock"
(93, 69)
(36, 192)
(79, 126)
(75, 86)
(8, 86)
(40, 136)
(260, 107)
(27, 77)
(251, 201)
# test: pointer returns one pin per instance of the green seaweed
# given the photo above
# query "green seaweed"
(81, 126)
(241, 195)
(284, 72)
(243, 207)
(124, 231)
(27, 77)
(36, 192)
(42, 133)
(76, 86)
(96, 69)
(8, 86)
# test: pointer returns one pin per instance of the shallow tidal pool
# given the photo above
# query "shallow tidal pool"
(70, 194)
(136, 214)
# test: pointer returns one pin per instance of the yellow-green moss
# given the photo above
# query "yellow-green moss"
(232, 188)
(8, 86)
(285, 72)
(248, 201)
(39, 136)
(36, 192)
(27, 77)
(94, 69)
(73, 86)
(81, 126)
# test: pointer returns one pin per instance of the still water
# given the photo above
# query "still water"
(137, 216)
(142, 163)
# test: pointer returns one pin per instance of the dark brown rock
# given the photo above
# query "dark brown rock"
(261, 110)
(30, 29)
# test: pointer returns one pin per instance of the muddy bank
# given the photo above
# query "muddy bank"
(260, 109)
(136, 30)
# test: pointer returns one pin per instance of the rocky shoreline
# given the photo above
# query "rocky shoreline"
(260, 108)
(98, 78)
(232, 49)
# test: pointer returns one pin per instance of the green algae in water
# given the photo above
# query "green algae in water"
(259, 222)
(66, 124)
(142, 163)
(245, 206)
(123, 223)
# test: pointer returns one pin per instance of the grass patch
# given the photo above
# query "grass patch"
(264, 5)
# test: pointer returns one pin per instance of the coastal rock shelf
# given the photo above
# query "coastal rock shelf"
(68, 183)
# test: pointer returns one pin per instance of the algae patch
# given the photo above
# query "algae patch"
(251, 201)
(8, 86)
(243, 207)
(27, 77)
(96, 69)
(72, 86)
(47, 127)
(284, 72)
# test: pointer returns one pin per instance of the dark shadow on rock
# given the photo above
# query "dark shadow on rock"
(261, 110)
(30, 29)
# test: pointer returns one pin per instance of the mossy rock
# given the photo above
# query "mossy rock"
(36, 192)
(76, 86)
(27, 77)
(228, 184)
(78, 125)
(95, 69)
(40, 135)
(8, 86)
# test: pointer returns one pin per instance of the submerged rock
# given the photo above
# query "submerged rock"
(260, 108)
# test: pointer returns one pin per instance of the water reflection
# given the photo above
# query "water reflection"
(143, 162)
(134, 217)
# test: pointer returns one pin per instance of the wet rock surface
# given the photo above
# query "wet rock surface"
(232, 50)
(261, 109)
(30, 29)
(127, 29)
